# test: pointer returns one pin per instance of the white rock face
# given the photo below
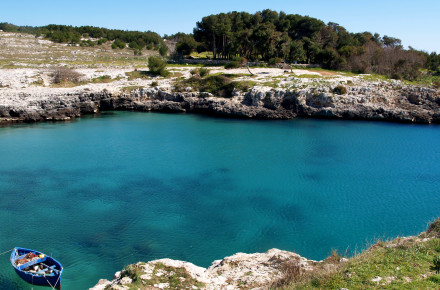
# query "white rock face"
(240, 270)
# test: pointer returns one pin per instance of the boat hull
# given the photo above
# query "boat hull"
(41, 280)
(51, 280)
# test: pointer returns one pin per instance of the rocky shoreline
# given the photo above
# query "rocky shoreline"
(381, 101)
(277, 269)
(240, 271)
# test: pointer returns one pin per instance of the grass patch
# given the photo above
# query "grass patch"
(272, 84)
(138, 74)
(129, 89)
(233, 76)
(404, 263)
(39, 83)
(202, 55)
(103, 79)
(309, 76)
(177, 278)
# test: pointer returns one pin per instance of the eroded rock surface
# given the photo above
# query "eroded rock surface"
(250, 271)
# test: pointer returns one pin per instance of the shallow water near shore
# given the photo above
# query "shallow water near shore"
(103, 192)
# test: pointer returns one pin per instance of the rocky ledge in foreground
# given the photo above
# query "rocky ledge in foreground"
(408, 262)
(234, 272)
(370, 101)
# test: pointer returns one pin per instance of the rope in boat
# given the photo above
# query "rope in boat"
(6, 252)
(53, 287)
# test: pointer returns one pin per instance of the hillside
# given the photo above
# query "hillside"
(46, 81)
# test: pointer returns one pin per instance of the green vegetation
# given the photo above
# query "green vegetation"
(218, 85)
(177, 278)
(201, 72)
(71, 34)
(309, 76)
(404, 263)
(274, 61)
(137, 74)
(340, 90)
(103, 79)
(129, 89)
(157, 66)
(268, 35)
(436, 262)
(237, 62)
(163, 50)
(232, 65)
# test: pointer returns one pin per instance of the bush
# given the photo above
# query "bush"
(340, 90)
(233, 64)
(163, 50)
(434, 228)
(240, 59)
(201, 72)
(64, 74)
(118, 44)
(102, 41)
(274, 61)
(436, 262)
(157, 66)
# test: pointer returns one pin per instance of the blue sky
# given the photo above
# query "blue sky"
(415, 22)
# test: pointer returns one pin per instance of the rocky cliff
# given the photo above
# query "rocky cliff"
(371, 101)
(240, 271)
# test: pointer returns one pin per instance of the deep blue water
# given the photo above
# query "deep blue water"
(101, 193)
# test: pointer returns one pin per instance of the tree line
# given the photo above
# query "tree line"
(75, 35)
(270, 35)
(266, 35)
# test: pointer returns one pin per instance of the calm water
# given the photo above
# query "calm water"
(101, 193)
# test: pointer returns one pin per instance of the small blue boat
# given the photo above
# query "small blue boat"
(37, 268)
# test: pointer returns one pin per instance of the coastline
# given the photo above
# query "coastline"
(376, 101)
(277, 269)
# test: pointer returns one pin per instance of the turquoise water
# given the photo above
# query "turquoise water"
(100, 193)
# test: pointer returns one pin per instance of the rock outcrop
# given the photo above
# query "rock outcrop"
(234, 272)
(372, 101)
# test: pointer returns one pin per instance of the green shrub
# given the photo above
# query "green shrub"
(240, 59)
(163, 50)
(201, 72)
(157, 66)
(118, 44)
(233, 64)
(274, 61)
(434, 228)
(340, 90)
(436, 262)
(102, 41)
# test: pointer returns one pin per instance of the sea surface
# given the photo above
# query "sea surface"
(103, 192)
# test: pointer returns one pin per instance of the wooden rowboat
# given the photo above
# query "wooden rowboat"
(37, 268)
